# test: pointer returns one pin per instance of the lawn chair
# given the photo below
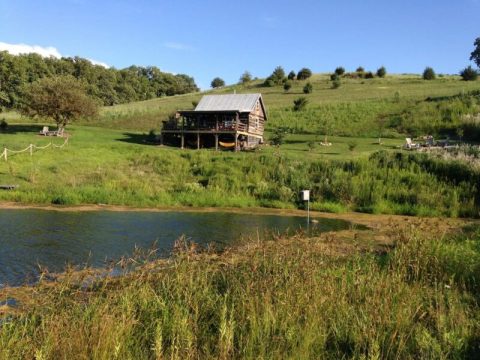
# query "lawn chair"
(409, 144)
(44, 131)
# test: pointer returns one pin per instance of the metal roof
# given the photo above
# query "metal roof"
(231, 102)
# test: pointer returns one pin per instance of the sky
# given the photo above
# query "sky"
(209, 38)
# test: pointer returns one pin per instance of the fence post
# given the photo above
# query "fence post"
(31, 149)
(5, 152)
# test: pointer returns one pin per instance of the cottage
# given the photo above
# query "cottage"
(233, 121)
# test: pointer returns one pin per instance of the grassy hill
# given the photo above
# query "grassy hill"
(403, 103)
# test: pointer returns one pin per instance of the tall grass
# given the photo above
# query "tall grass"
(305, 298)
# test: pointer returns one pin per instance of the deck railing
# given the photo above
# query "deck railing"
(222, 126)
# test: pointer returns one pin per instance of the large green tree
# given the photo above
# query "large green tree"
(62, 99)
(475, 55)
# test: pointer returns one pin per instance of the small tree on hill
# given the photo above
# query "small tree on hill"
(217, 82)
(62, 99)
(304, 74)
(292, 75)
(475, 55)
(360, 69)
(287, 86)
(340, 71)
(469, 74)
(336, 83)
(300, 104)
(428, 74)
(245, 78)
(308, 88)
(381, 72)
(278, 136)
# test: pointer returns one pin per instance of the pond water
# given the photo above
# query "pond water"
(52, 239)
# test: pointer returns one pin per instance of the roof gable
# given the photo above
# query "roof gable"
(230, 102)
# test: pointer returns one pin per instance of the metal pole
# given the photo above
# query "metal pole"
(308, 213)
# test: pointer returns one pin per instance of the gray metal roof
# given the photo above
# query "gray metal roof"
(231, 102)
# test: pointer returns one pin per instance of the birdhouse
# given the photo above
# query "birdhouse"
(305, 194)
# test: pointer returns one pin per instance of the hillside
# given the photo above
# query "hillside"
(360, 107)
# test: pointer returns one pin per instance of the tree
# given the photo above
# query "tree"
(475, 55)
(287, 86)
(217, 82)
(428, 74)
(336, 83)
(381, 72)
(61, 98)
(469, 74)
(246, 77)
(360, 69)
(308, 88)
(304, 74)
(292, 75)
(300, 103)
(340, 70)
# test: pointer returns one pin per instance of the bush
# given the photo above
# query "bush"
(334, 77)
(287, 86)
(300, 103)
(292, 75)
(340, 71)
(381, 72)
(304, 74)
(269, 82)
(3, 125)
(336, 83)
(278, 136)
(352, 145)
(369, 75)
(360, 69)
(217, 82)
(428, 74)
(469, 74)
(308, 88)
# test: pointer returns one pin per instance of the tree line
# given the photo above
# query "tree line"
(109, 86)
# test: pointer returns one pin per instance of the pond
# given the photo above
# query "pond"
(53, 239)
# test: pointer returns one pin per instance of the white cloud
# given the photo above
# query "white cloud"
(177, 46)
(17, 49)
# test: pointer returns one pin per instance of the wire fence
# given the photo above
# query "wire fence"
(30, 148)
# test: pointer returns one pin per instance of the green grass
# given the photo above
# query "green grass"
(101, 166)
(297, 298)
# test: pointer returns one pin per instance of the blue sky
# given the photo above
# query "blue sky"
(212, 38)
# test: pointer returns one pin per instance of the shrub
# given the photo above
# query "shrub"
(300, 103)
(360, 69)
(287, 86)
(352, 145)
(3, 125)
(428, 74)
(469, 74)
(381, 72)
(292, 75)
(334, 77)
(269, 82)
(217, 82)
(278, 136)
(308, 88)
(340, 71)
(304, 74)
(369, 75)
(336, 83)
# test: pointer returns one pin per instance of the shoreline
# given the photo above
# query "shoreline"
(371, 220)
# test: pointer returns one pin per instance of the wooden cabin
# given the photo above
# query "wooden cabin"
(234, 121)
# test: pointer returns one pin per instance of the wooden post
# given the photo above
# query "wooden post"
(216, 142)
(182, 141)
(31, 149)
(198, 141)
(5, 153)
(236, 142)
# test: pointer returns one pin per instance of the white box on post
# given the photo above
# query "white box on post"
(305, 195)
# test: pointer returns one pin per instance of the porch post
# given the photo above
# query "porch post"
(216, 142)
(236, 142)
(183, 141)
(198, 141)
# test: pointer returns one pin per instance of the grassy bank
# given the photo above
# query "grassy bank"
(334, 296)
(100, 166)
